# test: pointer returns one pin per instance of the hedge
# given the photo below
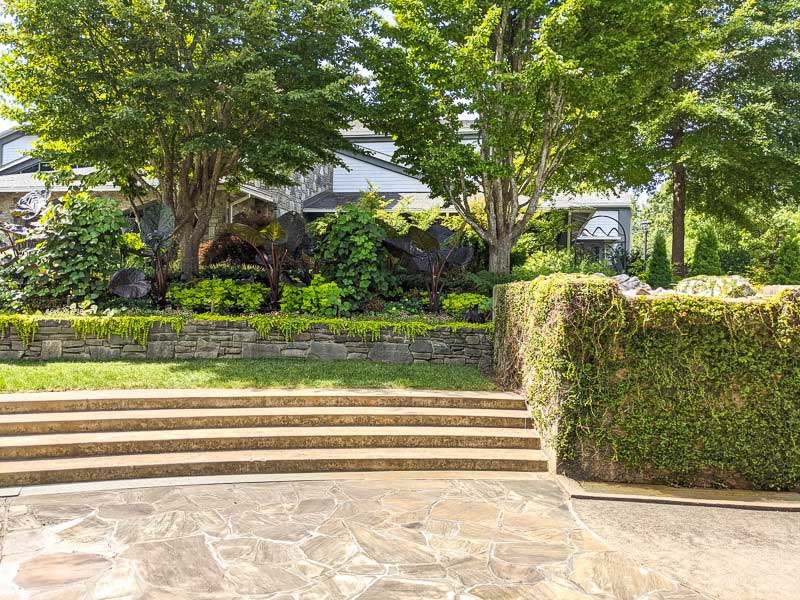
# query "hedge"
(670, 389)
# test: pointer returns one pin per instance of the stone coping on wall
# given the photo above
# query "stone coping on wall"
(213, 339)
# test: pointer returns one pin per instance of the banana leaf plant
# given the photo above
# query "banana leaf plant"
(156, 228)
(432, 253)
(276, 245)
(28, 211)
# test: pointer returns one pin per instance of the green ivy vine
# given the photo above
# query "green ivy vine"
(672, 389)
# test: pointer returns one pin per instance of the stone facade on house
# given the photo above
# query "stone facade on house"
(291, 198)
(56, 339)
(7, 202)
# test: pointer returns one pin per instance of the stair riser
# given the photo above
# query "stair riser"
(211, 422)
(268, 467)
(264, 443)
(8, 408)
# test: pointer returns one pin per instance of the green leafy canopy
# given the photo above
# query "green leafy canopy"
(553, 88)
(176, 98)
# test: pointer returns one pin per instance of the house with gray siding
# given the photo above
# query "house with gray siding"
(600, 222)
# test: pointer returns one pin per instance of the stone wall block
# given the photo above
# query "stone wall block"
(390, 352)
(161, 350)
(327, 351)
(260, 350)
(51, 349)
(206, 349)
(294, 353)
(104, 353)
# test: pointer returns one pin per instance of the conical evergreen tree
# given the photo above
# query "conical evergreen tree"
(787, 262)
(706, 260)
(659, 269)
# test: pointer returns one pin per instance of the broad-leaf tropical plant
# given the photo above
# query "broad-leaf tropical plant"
(432, 252)
(157, 229)
(276, 243)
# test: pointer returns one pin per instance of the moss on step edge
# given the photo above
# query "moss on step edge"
(138, 328)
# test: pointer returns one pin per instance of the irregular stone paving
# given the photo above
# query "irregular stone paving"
(366, 539)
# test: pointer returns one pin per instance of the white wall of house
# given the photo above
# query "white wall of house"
(362, 174)
(382, 150)
(602, 225)
(16, 149)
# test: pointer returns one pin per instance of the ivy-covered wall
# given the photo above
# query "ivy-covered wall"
(264, 336)
(667, 389)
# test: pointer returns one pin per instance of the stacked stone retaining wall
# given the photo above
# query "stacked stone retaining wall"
(236, 339)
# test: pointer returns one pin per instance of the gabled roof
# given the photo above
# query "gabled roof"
(596, 200)
(326, 202)
(378, 162)
(21, 165)
(359, 132)
(28, 182)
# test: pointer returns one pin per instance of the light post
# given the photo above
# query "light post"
(645, 229)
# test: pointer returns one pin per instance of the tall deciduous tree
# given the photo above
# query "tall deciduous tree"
(727, 133)
(179, 97)
(554, 88)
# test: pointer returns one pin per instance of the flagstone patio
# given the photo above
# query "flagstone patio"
(384, 538)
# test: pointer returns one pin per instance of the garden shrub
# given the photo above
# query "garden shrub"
(351, 253)
(77, 249)
(706, 259)
(321, 297)
(659, 269)
(457, 305)
(232, 271)
(787, 262)
(548, 262)
(414, 302)
(220, 295)
(667, 389)
(226, 248)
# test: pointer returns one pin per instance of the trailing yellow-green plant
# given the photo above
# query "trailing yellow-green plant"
(135, 328)
(26, 327)
(138, 328)
(365, 329)
(672, 389)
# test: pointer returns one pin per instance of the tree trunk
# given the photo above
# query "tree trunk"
(500, 257)
(189, 261)
(679, 218)
(190, 240)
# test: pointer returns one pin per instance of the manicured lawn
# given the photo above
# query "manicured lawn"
(21, 376)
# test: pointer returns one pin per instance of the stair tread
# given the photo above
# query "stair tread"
(251, 393)
(166, 413)
(254, 432)
(326, 454)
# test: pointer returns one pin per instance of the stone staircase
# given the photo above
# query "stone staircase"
(103, 435)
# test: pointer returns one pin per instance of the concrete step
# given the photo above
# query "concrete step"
(305, 416)
(222, 398)
(61, 445)
(242, 462)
